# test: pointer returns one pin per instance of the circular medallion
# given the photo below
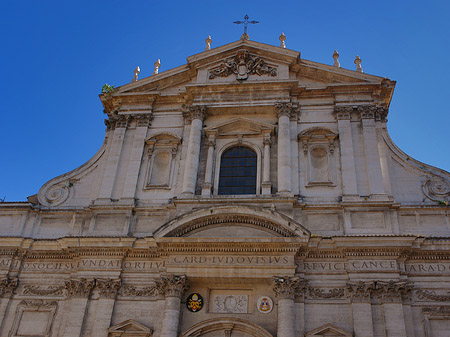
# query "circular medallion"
(264, 304)
(194, 302)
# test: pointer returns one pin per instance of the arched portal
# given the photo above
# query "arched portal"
(226, 327)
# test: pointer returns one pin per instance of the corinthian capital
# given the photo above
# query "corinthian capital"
(172, 285)
(285, 109)
(79, 287)
(343, 111)
(8, 285)
(360, 291)
(195, 112)
(288, 287)
(108, 288)
(393, 291)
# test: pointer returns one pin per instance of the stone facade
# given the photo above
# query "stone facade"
(342, 235)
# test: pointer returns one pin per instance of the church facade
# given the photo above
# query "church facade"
(248, 192)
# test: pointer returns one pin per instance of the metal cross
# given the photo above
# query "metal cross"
(245, 22)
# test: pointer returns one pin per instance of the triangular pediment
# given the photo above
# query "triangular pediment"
(130, 328)
(328, 330)
(239, 126)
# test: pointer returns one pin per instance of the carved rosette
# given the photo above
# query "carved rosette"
(343, 112)
(7, 286)
(79, 287)
(172, 285)
(242, 65)
(108, 288)
(393, 291)
(289, 287)
(360, 291)
(195, 112)
(286, 109)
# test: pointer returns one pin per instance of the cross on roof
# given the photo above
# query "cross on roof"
(245, 22)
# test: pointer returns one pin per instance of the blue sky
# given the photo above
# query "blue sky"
(56, 55)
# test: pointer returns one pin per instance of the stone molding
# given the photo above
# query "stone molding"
(286, 109)
(289, 287)
(195, 112)
(79, 287)
(7, 286)
(242, 65)
(38, 303)
(172, 285)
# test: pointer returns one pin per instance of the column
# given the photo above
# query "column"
(78, 291)
(196, 115)
(7, 287)
(373, 162)
(129, 191)
(266, 184)
(390, 294)
(285, 289)
(173, 288)
(207, 184)
(107, 292)
(112, 165)
(349, 185)
(359, 294)
(284, 112)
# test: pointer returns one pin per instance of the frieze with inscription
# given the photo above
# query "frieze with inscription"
(231, 260)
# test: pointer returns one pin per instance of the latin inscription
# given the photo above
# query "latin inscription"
(231, 260)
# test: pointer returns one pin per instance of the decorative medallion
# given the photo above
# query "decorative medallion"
(264, 304)
(194, 302)
(242, 65)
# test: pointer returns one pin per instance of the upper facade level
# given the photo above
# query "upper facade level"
(253, 124)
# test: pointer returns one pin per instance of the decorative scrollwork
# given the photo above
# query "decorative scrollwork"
(57, 194)
(172, 285)
(38, 303)
(79, 287)
(242, 65)
(8, 285)
(108, 288)
(437, 189)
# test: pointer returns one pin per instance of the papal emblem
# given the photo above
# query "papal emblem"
(194, 302)
(264, 304)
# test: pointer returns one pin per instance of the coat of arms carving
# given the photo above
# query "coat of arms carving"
(242, 65)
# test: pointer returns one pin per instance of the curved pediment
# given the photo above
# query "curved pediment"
(232, 221)
(235, 326)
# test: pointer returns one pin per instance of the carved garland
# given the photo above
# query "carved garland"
(431, 295)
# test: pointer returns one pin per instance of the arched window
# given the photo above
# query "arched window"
(238, 169)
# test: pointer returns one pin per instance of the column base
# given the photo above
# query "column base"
(206, 189)
(266, 188)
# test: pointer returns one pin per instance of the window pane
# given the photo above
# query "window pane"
(238, 171)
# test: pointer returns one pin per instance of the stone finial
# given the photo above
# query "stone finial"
(208, 43)
(136, 74)
(157, 65)
(336, 59)
(245, 37)
(358, 64)
(282, 40)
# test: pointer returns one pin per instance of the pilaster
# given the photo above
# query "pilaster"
(207, 185)
(359, 294)
(266, 184)
(7, 287)
(195, 115)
